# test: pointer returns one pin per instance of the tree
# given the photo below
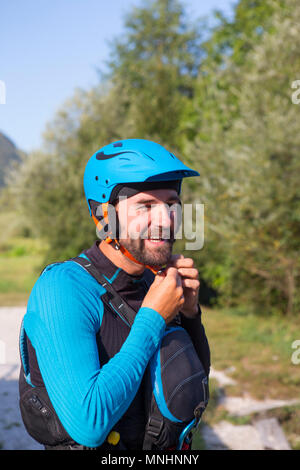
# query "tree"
(150, 79)
(154, 65)
(250, 170)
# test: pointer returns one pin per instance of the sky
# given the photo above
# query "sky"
(49, 48)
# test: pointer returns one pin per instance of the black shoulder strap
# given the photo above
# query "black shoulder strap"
(119, 304)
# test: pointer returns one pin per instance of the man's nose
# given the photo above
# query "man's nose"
(161, 216)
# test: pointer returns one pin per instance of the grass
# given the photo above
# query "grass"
(257, 349)
(198, 441)
(257, 353)
(20, 266)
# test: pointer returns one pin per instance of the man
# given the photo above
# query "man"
(85, 366)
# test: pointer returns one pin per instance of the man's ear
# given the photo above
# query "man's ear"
(114, 209)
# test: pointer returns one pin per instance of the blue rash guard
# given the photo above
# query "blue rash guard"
(64, 314)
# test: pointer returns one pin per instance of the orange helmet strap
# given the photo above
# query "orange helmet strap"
(117, 245)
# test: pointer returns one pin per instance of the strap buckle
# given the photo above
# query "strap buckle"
(154, 426)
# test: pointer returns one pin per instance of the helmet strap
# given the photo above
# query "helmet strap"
(125, 252)
(100, 226)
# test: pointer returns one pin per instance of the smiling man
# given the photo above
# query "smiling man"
(94, 323)
(147, 221)
(150, 222)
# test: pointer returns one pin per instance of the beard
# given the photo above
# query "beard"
(154, 256)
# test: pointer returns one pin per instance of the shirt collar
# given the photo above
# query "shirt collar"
(115, 275)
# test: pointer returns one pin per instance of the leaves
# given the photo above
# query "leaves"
(223, 104)
(252, 166)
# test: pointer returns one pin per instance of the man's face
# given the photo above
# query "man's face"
(148, 224)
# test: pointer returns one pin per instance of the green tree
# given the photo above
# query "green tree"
(154, 65)
(224, 52)
(150, 79)
(250, 170)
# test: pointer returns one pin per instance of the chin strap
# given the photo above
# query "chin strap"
(103, 225)
(118, 246)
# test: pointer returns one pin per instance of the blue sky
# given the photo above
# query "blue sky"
(50, 47)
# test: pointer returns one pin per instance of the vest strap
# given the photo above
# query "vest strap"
(123, 309)
(153, 430)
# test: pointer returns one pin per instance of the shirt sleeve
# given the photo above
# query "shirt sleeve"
(64, 314)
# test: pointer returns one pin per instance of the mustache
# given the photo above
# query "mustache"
(157, 232)
(145, 233)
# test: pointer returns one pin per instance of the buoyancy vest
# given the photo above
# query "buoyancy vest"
(150, 421)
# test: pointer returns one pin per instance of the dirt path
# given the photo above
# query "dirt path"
(12, 432)
(263, 434)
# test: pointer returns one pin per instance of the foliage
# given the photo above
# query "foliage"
(154, 66)
(250, 169)
(150, 80)
(223, 104)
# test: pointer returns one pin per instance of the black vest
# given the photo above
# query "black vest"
(110, 338)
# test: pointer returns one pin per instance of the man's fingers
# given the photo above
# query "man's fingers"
(181, 262)
(158, 278)
(172, 272)
(176, 256)
(173, 260)
(191, 283)
(189, 272)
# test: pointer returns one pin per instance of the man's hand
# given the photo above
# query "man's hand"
(165, 295)
(190, 283)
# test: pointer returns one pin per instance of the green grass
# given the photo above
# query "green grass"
(258, 352)
(18, 274)
(258, 348)
(198, 441)
(20, 265)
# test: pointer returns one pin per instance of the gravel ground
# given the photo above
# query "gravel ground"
(262, 435)
(13, 435)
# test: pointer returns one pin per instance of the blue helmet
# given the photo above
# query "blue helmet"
(130, 161)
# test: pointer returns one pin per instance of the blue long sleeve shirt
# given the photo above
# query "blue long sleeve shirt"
(64, 314)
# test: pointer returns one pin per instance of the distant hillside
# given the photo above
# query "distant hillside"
(8, 154)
